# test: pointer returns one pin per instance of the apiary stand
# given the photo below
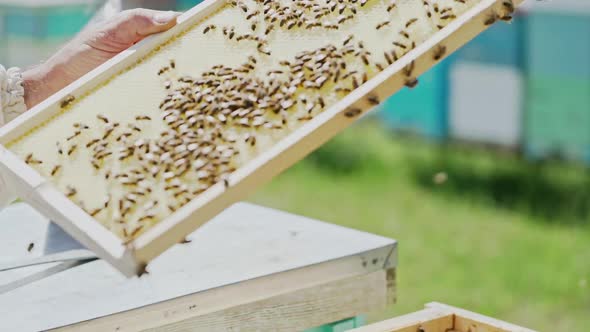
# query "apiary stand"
(250, 268)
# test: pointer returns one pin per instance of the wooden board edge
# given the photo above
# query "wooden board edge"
(218, 301)
(24, 182)
(427, 320)
(464, 320)
(82, 227)
(311, 135)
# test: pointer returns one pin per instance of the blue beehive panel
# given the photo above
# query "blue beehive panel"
(558, 117)
(558, 44)
(187, 4)
(421, 110)
(23, 23)
(66, 21)
(53, 22)
(501, 44)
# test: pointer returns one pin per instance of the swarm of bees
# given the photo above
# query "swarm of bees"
(214, 118)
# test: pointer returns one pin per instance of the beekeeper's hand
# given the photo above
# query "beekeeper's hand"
(91, 48)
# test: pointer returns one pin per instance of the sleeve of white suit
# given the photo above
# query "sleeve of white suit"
(12, 104)
(12, 94)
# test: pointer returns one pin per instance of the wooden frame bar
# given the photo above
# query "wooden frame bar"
(438, 317)
(131, 258)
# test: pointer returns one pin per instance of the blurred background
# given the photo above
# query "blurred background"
(482, 172)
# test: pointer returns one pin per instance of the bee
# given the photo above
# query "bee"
(134, 127)
(388, 58)
(108, 133)
(410, 22)
(31, 160)
(76, 134)
(55, 170)
(391, 7)
(243, 7)
(81, 126)
(355, 83)
(351, 113)
(382, 24)
(209, 28)
(398, 44)
(305, 118)
(95, 211)
(172, 64)
(439, 52)
(91, 143)
(365, 59)
(142, 118)
(252, 14)
(412, 83)
(163, 70)
(72, 149)
(71, 191)
(68, 100)
(343, 90)
(373, 100)
(405, 34)
(30, 247)
(509, 5)
(448, 17)
(409, 69)
(103, 118)
(138, 229)
(492, 18)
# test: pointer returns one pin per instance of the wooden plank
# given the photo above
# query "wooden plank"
(470, 321)
(247, 308)
(438, 317)
(247, 254)
(426, 320)
(131, 258)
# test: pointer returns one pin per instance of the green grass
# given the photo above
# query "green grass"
(501, 236)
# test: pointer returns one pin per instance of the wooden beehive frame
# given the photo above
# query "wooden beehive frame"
(438, 317)
(131, 258)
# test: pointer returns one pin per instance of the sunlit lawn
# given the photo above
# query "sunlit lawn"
(501, 236)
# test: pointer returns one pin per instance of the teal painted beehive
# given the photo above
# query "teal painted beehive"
(558, 44)
(501, 44)
(558, 117)
(421, 110)
(34, 31)
(186, 4)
